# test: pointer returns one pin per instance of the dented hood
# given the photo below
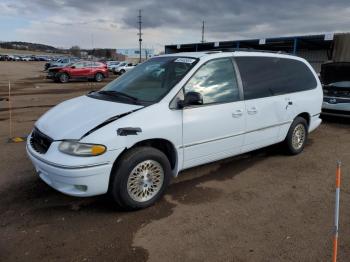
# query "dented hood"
(75, 117)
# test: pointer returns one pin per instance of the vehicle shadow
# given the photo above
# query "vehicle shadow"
(34, 193)
(335, 120)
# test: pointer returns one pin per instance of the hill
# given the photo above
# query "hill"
(29, 47)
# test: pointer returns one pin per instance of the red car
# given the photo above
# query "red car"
(82, 70)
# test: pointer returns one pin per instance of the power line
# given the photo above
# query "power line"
(140, 33)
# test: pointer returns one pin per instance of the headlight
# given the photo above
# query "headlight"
(79, 149)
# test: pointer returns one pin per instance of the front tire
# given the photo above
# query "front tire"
(297, 136)
(121, 71)
(63, 78)
(140, 178)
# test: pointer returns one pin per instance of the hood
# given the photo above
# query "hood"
(335, 72)
(75, 117)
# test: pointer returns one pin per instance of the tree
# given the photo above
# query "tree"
(75, 50)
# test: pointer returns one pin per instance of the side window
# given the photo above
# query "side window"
(216, 81)
(269, 76)
(79, 65)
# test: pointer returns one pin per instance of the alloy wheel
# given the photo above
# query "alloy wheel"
(145, 180)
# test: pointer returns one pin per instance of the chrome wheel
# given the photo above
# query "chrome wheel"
(145, 180)
(298, 137)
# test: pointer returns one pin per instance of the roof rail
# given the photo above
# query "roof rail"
(213, 52)
(263, 51)
(234, 49)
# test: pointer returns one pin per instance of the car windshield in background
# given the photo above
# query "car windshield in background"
(340, 84)
(148, 82)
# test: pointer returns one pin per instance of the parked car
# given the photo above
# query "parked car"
(112, 64)
(82, 70)
(122, 68)
(25, 58)
(4, 58)
(171, 113)
(336, 89)
(62, 62)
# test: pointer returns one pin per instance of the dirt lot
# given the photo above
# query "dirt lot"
(262, 206)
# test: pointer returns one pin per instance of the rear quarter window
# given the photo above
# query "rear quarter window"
(269, 76)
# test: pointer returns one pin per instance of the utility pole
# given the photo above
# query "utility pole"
(202, 32)
(140, 33)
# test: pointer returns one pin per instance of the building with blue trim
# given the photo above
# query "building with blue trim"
(317, 49)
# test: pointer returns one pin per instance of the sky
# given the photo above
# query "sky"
(113, 24)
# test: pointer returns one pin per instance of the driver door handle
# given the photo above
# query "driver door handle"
(237, 113)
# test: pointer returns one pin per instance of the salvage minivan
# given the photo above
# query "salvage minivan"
(171, 113)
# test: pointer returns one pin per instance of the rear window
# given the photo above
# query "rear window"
(269, 76)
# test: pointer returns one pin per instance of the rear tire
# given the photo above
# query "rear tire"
(139, 178)
(99, 77)
(297, 136)
(122, 71)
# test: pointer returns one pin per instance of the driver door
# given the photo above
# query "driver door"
(214, 129)
(79, 70)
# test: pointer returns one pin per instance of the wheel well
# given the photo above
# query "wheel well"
(306, 116)
(163, 145)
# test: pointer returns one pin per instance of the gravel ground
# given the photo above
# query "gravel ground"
(261, 206)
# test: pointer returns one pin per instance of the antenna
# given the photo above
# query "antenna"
(140, 33)
(202, 32)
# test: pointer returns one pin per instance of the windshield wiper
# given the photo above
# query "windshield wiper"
(118, 94)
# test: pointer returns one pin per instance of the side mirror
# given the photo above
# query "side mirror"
(73, 67)
(191, 99)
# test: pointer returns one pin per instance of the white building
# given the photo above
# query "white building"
(135, 52)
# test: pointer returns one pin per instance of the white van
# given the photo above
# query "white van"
(171, 113)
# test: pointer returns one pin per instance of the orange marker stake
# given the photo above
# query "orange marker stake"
(336, 212)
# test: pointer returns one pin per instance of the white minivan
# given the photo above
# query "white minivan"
(171, 113)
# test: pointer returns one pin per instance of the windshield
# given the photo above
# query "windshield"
(70, 64)
(151, 80)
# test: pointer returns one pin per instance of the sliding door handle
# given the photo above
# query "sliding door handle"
(252, 111)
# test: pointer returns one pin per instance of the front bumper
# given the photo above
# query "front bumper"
(75, 176)
(51, 75)
(75, 181)
(335, 106)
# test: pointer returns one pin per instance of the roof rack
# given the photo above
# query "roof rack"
(233, 49)
(213, 52)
